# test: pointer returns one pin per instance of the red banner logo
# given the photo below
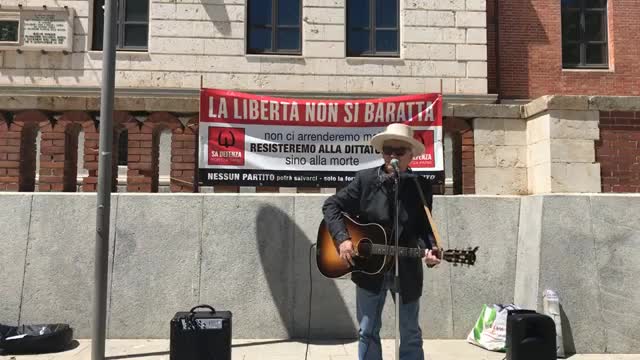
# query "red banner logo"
(226, 146)
(427, 159)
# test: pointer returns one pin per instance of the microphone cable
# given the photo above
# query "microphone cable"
(306, 353)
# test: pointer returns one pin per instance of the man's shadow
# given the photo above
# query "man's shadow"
(331, 317)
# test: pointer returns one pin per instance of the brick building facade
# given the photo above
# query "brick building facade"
(525, 50)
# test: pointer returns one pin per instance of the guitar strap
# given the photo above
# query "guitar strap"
(426, 209)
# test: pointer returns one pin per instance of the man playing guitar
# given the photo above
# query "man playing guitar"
(370, 197)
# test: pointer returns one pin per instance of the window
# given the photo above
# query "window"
(372, 28)
(274, 27)
(584, 34)
(132, 25)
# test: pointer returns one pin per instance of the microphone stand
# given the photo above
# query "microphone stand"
(396, 281)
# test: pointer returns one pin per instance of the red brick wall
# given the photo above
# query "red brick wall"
(530, 51)
(618, 151)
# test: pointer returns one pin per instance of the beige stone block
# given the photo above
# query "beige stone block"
(268, 65)
(569, 124)
(488, 131)
(471, 86)
(476, 36)
(539, 178)
(162, 11)
(129, 103)
(424, 35)
(213, 30)
(471, 52)
(471, 19)
(430, 52)
(614, 103)
(511, 156)
(324, 49)
(321, 66)
(453, 35)
(438, 68)
(441, 4)
(573, 151)
(515, 132)
(171, 46)
(81, 26)
(449, 87)
(487, 110)
(414, 17)
(392, 69)
(67, 77)
(410, 84)
(445, 4)
(538, 129)
(324, 32)
(501, 181)
(321, 3)
(208, 12)
(480, 5)
(235, 64)
(575, 178)
(433, 85)
(224, 47)
(187, 105)
(323, 16)
(539, 153)
(80, 43)
(81, 8)
(485, 156)
(357, 67)
(477, 69)
(226, 81)
(190, 80)
(440, 18)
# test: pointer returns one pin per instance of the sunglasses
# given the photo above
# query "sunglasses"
(399, 151)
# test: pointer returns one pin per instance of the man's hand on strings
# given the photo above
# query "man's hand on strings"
(432, 257)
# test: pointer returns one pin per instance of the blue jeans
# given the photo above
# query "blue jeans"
(369, 307)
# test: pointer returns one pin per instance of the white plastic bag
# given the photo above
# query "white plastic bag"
(490, 331)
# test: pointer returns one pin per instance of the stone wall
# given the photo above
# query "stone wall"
(251, 254)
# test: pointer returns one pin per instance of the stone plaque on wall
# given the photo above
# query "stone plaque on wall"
(36, 28)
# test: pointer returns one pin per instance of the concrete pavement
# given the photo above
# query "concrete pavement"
(261, 349)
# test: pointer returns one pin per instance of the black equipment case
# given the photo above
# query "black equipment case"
(530, 336)
(200, 335)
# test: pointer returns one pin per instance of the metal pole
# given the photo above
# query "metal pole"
(396, 279)
(104, 181)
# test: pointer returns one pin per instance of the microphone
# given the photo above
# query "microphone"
(394, 164)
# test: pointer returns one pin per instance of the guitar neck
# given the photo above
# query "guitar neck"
(390, 250)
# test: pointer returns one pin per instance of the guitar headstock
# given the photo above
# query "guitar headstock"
(464, 257)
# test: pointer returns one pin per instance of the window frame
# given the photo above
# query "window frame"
(582, 10)
(274, 50)
(121, 22)
(372, 28)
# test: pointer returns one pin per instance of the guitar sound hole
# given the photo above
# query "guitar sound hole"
(365, 247)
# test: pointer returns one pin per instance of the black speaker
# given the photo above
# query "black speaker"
(530, 336)
(200, 335)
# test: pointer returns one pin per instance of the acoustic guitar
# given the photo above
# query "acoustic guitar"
(374, 251)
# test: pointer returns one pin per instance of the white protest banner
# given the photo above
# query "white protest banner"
(252, 140)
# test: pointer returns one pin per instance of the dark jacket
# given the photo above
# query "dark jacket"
(369, 198)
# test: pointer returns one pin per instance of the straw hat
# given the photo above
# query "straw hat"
(398, 131)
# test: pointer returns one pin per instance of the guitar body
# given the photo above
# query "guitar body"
(363, 236)
(374, 251)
